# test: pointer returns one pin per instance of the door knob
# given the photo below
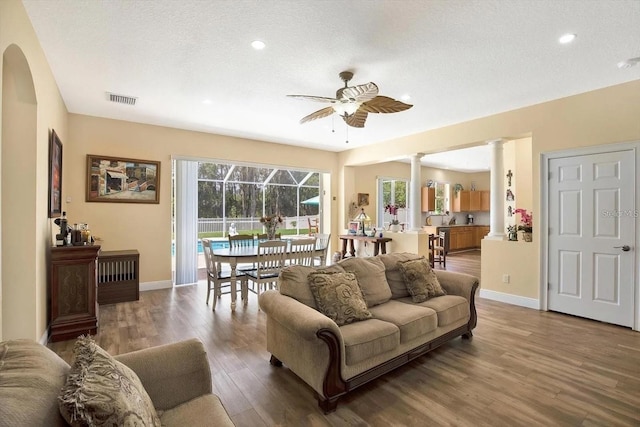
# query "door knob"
(625, 248)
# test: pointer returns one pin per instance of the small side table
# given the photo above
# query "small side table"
(74, 285)
(379, 243)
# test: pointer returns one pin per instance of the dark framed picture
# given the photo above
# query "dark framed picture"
(122, 180)
(55, 175)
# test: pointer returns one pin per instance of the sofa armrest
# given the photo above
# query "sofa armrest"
(172, 373)
(299, 318)
(460, 284)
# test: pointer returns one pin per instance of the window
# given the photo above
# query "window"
(442, 197)
(392, 192)
(242, 194)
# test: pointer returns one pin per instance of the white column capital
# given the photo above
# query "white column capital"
(496, 141)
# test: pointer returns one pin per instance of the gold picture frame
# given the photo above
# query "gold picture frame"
(363, 199)
(122, 180)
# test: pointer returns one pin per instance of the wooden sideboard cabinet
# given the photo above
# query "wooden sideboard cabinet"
(73, 291)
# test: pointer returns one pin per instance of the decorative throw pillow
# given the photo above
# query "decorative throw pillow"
(102, 391)
(339, 297)
(420, 279)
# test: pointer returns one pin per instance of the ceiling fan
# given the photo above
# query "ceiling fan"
(354, 103)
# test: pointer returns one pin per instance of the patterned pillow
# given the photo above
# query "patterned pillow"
(102, 391)
(339, 297)
(420, 279)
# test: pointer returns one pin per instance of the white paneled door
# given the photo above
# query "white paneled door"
(591, 236)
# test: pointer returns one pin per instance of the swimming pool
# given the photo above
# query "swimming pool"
(217, 244)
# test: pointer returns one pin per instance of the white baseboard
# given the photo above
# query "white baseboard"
(150, 286)
(510, 299)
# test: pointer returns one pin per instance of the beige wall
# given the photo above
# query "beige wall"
(147, 227)
(29, 292)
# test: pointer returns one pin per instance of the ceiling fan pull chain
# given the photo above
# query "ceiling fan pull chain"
(347, 133)
(333, 124)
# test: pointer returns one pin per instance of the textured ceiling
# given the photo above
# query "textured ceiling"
(458, 60)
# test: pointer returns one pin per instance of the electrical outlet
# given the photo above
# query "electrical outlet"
(506, 278)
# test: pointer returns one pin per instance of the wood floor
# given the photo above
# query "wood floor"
(522, 368)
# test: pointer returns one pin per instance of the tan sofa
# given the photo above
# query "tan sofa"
(334, 359)
(176, 377)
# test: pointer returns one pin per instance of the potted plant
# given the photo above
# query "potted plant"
(526, 224)
(394, 225)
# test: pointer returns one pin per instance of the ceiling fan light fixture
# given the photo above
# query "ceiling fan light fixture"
(346, 109)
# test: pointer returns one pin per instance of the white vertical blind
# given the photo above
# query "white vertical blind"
(186, 222)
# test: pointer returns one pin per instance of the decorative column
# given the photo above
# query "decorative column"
(497, 191)
(415, 193)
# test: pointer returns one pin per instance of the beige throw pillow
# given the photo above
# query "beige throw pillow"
(339, 297)
(420, 279)
(293, 282)
(371, 278)
(102, 391)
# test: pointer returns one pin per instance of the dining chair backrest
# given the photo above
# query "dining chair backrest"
(271, 256)
(322, 243)
(208, 257)
(302, 251)
(265, 236)
(241, 240)
(314, 225)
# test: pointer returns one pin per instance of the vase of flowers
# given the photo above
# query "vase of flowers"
(394, 225)
(271, 224)
(526, 224)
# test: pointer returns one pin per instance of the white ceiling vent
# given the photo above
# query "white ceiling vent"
(122, 99)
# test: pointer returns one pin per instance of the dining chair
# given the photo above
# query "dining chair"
(242, 241)
(302, 251)
(314, 226)
(437, 249)
(322, 242)
(216, 278)
(270, 260)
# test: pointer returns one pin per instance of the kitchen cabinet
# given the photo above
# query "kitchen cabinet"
(480, 232)
(472, 201)
(485, 201)
(461, 201)
(461, 238)
(428, 199)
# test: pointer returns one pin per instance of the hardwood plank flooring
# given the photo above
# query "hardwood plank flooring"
(522, 368)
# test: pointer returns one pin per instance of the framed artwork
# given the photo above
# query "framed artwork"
(363, 199)
(353, 227)
(121, 180)
(55, 175)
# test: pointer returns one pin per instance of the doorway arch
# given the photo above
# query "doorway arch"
(18, 194)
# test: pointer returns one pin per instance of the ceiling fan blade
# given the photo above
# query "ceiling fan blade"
(314, 98)
(359, 93)
(318, 115)
(357, 119)
(384, 104)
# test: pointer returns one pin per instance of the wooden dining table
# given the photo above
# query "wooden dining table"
(249, 254)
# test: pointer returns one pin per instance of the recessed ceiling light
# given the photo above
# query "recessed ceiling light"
(258, 45)
(567, 38)
(406, 97)
(207, 102)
